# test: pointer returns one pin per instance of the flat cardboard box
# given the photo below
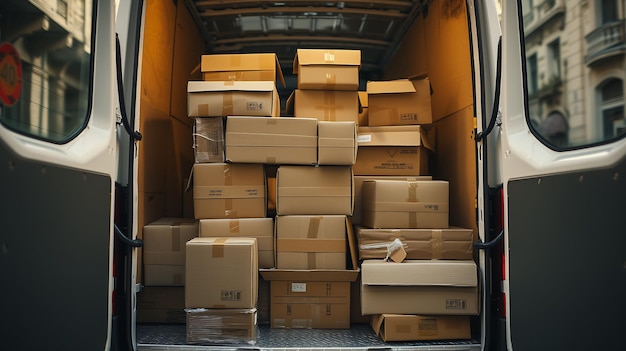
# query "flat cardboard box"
(221, 273)
(325, 105)
(461, 273)
(319, 69)
(161, 304)
(399, 204)
(363, 108)
(399, 102)
(281, 140)
(208, 139)
(246, 67)
(219, 99)
(221, 326)
(393, 150)
(260, 228)
(222, 190)
(448, 243)
(311, 242)
(397, 327)
(336, 143)
(322, 190)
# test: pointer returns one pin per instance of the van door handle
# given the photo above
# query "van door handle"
(490, 244)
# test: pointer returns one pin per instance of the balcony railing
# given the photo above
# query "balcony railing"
(541, 13)
(606, 39)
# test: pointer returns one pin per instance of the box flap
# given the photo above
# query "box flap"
(326, 57)
(398, 86)
(327, 275)
(376, 322)
(363, 99)
(458, 273)
(209, 86)
(242, 62)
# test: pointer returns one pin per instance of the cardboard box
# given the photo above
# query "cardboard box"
(392, 150)
(429, 287)
(336, 143)
(311, 242)
(396, 327)
(164, 250)
(222, 190)
(208, 139)
(221, 326)
(399, 102)
(400, 204)
(241, 67)
(271, 140)
(448, 243)
(319, 69)
(221, 273)
(260, 228)
(325, 105)
(219, 99)
(323, 190)
(363, 108)
(161, 304)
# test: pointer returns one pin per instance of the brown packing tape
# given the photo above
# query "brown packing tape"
(330, 109)
(233, 226)
(412, 191)
(217, 249)
(329, 57)
(175, 228)
(331, 79)
(314, 227)
(437, 243)
(228, 209)
(310, 245)
(228, 175)
(203, 109)
(227, 104)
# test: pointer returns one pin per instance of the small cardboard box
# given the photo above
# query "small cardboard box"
(399, 102)
(325, 105)
(336, 143)
(164, 250)
(319, 69)
(208, 139)
(221, 326)
(219, 99)
(161, 304)
(271, 140)
(221, 273)
(246, 67)
(260, 228)
(397, 327)
(322, 190)
(311, 242)
(400, 204)
(363, 108)
(392, 151)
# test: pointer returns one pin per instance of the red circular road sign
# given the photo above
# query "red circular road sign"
(10, 74)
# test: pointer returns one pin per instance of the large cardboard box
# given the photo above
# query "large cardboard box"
(392, 150)
(399, 102)
(246, 67)
(325, 105)
(221, 273)
(161, 304)
(271, 140)
(336, 143)
(164, 250)
(400, 204)
(221, 326)
(219, 99)
(429, 287)
(397, 327)
(222, 190)
(323, 190)
(260, 228)
(208, 139)
(447, 243)
(320, 69)
(311, 242)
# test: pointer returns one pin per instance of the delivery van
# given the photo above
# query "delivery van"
(525, 129)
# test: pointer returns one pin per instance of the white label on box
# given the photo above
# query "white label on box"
(364, 138)
(298, 287)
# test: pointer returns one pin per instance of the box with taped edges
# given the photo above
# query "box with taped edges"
(324, 105)
(220, 99)
(221, 326)
(208, 139)
(410, 327)
(327, 69)
(336, 143)
(399, 102)
(246, 67)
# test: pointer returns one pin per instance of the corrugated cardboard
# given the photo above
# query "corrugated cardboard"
(461, 273)
(399, 102)
(324, 105)
(246, 67)
(221, 273)
(260, 228)
(218, 99)
(447, 243)
(164, 250)
(336, 143)
(222, 190)
(319, 69)
(311, 242)
(221, 326)
(161, 304)
(363, 108)
(323, 190)
(399, 204)
(208, 139)
(271, 140)
(396, 327)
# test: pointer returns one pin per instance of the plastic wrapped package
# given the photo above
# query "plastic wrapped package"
(221, 326)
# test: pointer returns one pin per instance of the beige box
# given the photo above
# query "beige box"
(447, 243)
(397, 327)
(222, 190)
(221, 326)
(322, 190)
(271, 140)
(399, 102)
(336, 143)
(311, 242)
(325, 105)
(221, 273)
(164, 250)
(208, 139)
(260, 228)
(319, 69)
(392, 150)
(161, 304)
(241, 67)
(400, 204)
(219, 99)
(363, 108)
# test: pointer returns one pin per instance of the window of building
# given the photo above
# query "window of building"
(554, 59)
(611, 96)
(608, 11)
(533, 77)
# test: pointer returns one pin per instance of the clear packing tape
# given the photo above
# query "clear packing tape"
(395, 249)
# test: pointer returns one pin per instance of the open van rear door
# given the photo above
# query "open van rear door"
(561, 158)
